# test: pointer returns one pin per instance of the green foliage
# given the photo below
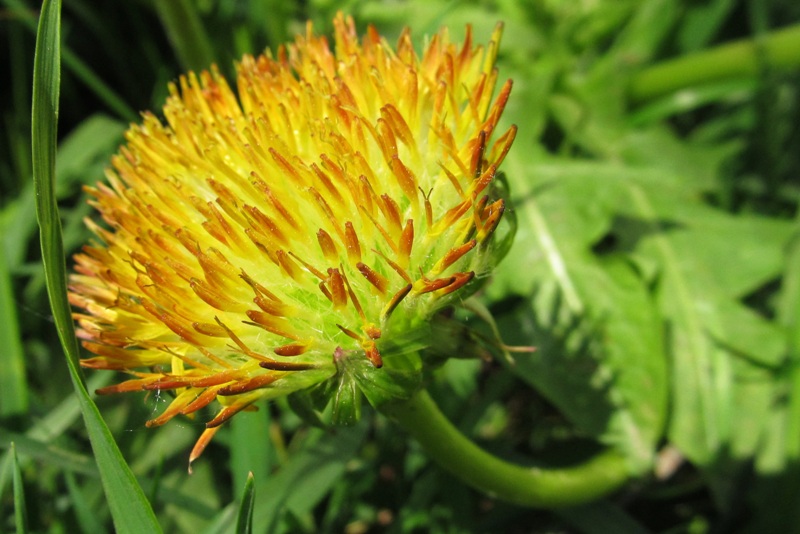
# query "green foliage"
(129, 508)
(20, 510)
(656, 270)
(244, 521)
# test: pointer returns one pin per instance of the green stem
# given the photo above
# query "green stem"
(779, 49)
(186, 33)
(526, 486)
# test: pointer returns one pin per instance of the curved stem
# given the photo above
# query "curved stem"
(526, 486)
(779, 49)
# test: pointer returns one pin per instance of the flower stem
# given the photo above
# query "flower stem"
(186, 33)
(526, 486)
(779, 49)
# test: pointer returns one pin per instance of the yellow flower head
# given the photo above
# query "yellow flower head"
(254, 240)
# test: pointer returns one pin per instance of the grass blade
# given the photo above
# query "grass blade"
(247, 460)
(244, 521)
(306, 477)
(84, 513)
(186, 33)
(20, 511)
(13, 386)
(129, 507)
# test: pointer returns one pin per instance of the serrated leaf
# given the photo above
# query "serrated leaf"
(696, 299)
(614, 390)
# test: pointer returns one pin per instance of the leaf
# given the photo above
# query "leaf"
(244, 520)
(84, 512)
(600, 354)
(129, 507)
(613, 389)
(778, 461)
(696, 290)
(13, 384)
(83, 154)
(701, 22)
(247, 459)
(702, 262)
(49, 454)
(307, 476)
(82, 157)
(20, 510)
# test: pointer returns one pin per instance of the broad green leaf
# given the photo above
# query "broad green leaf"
(789, 306)
(701, 261)
(614, 390)
(129, 507)
(691, 99)
(194, 499)
(697, 286)
(778, 461)
(740, 252)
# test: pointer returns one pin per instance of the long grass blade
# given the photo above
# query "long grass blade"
(129, 507)
(20, 510)
(244, 521)
(13, 386)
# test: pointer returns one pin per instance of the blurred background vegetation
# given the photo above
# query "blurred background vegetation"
(656, 269)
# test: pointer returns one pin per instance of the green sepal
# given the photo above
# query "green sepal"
(347, 397)
(398, 379)
(500, 243)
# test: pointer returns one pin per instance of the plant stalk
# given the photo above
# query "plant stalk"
(537, 487)
(186, 33)
(743, 58)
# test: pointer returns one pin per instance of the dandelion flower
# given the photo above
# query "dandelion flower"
(337, 198)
